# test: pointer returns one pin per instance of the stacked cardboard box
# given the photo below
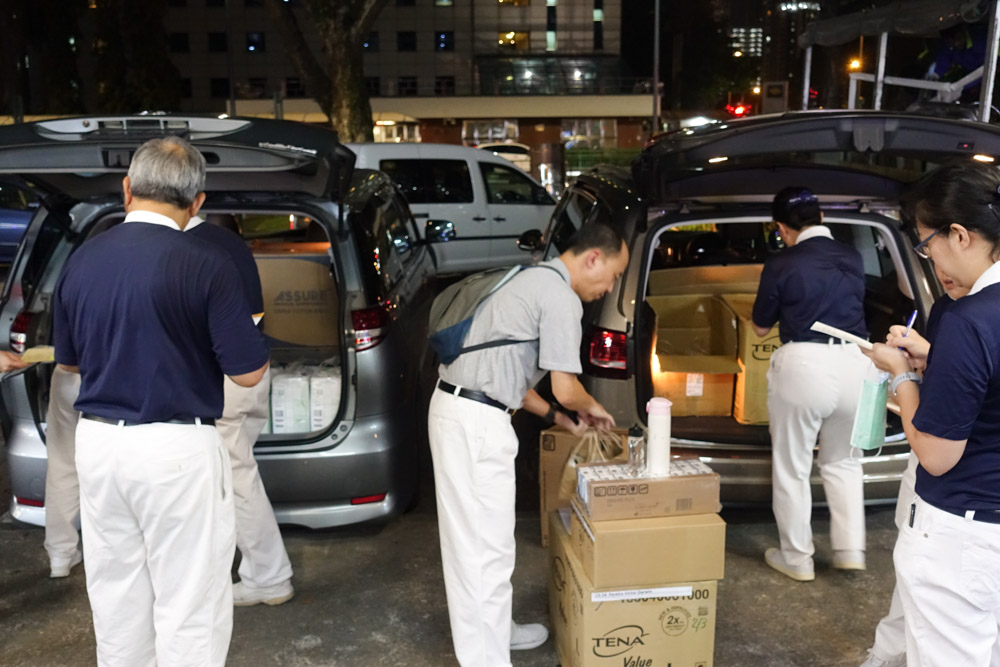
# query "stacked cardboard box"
(635, 565)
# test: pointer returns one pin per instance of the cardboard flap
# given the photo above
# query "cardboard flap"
(732, 279)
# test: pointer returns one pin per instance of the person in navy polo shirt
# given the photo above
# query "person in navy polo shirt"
(949, 545)
(265, 571)
(813, 383)
(152, 319)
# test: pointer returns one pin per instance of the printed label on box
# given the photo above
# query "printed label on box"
(695, 384)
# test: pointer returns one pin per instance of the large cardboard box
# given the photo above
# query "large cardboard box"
(555, 446)
(301, 306)
(732, 279)
(695, 361)
(647, 552)
(610, 491)
(754, 353)
(671, 625)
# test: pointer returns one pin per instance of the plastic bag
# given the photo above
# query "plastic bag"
(594, 446)
(869, 420)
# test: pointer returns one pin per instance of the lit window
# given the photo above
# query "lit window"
(514, 41)
(514, 3)
(598, 14)
(444, 41)
(443, 3)
(550, 40)
(255, 42)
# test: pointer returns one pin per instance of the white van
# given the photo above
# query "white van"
(471, 204)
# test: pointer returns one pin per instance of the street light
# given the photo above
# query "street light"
(854, 65)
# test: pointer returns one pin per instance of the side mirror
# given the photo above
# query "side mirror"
(531, 240)
(439, 231)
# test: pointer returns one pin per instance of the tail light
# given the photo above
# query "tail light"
(29, 503)
(608, 354)
(19, 332)
(370, 326)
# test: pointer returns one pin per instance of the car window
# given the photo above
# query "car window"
(431, 181)
(508, 186)
(15, 198)
(709, 244)
(869, 242)
(569, 216)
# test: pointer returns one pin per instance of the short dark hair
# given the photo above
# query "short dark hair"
(796, 207)
(596, 235)
(964, 191)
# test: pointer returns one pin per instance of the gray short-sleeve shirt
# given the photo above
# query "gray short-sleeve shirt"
(536, 304)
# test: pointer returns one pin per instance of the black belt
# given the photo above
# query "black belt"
(473, 395)
(820, 339)
(209, 421)
(986, 516)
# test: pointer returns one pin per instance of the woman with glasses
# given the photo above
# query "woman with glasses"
(949, 544)
(812, 384)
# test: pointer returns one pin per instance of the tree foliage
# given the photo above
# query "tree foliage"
(335, 78)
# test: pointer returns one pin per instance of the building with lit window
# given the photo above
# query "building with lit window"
(784, 21)
(455, 71)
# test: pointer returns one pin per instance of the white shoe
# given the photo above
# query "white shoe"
(59, 568)
(244, 596)
(875, 661)
(527, 636)
(849, 560)
(775, 559)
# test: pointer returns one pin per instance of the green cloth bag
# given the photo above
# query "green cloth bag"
(869, 420)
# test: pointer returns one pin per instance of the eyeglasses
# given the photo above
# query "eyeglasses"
(921, 248)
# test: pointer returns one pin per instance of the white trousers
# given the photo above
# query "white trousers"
(946, 570)
(473, 446)
(265, 561)
(890, 634)
(158, 539)
(812, 395)
(62, 489)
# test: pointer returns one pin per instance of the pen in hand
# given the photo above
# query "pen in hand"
(909, 324)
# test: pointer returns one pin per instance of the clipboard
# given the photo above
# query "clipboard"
(841, 334)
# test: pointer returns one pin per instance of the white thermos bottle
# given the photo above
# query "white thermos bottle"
(658, 445)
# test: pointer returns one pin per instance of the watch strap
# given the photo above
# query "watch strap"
(904, 377)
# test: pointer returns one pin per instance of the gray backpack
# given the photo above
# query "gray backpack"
(455, 307)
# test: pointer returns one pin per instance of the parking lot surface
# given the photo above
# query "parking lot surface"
(373, 596)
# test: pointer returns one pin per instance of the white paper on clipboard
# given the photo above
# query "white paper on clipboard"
(841, 334)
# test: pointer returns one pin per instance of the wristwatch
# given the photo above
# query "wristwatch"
(550, 416)
(903, 377)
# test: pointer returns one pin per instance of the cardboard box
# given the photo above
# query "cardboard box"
(647, 552)
(732, 279)
(301, 305)
(610, 491)
(754, 354)
(555, 446)
(663, 626)
(696, 394)
(695, 361)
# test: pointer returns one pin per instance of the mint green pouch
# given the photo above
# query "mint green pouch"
(869, 420)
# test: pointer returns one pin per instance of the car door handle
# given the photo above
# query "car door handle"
(499, 219)
(478, 218)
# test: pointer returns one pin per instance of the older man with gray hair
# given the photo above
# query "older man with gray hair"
(152, 319)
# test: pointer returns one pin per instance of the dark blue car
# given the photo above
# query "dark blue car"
(18, 204)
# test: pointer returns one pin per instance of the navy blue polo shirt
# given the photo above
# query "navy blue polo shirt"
(817, 279)
(153, 318)
(238, 251)
(960, 400)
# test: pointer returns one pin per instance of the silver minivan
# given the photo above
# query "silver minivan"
(473, 204)
(696, 212)
(346, 282)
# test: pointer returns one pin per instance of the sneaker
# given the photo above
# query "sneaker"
(849, 560)
(527, 636)
(875, 661)
(774, 558)
(59, 568)
(244, 596)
